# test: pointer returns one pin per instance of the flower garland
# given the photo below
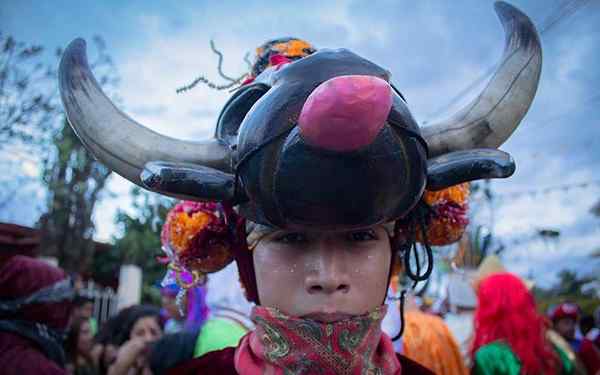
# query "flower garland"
(196, 242)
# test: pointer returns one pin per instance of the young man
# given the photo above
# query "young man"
(318, 170)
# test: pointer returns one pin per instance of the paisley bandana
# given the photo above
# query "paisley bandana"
(285, 345)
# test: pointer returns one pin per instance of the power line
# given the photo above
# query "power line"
(559, 15)
(548, 190)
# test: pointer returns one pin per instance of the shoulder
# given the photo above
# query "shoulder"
(216, 362)
(218, 333)
(496, 358)
(19, 356)
(411, 367)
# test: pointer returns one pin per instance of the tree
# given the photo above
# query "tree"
(30, 108)
(139, 242)
(75, 182)
(28, 100)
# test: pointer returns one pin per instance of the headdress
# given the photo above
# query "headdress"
(317, 138)
(506, 312)
(565, 310)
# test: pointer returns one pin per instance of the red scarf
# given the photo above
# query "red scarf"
(285, 345)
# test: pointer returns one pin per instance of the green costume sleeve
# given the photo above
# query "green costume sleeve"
(568, 367)
(496, 359)
(217, 334)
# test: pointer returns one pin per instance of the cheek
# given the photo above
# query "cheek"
(278, 274)
(370, 274)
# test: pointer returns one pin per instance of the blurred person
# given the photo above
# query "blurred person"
(83, 307)
(138, 328)
(35, 306)
(193, 312)
(461, 302)
(428, 341)
(105, 347)
(78, 347)
(204, 329)
(510, 336)
(565, 317)
(589, 329)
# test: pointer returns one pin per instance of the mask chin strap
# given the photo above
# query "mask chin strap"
(415, 222)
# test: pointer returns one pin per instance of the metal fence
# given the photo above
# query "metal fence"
(105, 300)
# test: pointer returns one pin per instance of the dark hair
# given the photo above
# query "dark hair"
(127, 318)
(586, 324)
(73, 338)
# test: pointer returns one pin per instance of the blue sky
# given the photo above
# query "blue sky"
(434, 50)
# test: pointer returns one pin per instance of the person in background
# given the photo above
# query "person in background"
(565, 317)
(35, 305)
(509, 336)
(193, 312)
(589, 329)
(139, 328)
(78, 348)
(428, 341)
(104, 350)
(83, 307)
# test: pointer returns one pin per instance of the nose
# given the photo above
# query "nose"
(329, 275)
(345, 113)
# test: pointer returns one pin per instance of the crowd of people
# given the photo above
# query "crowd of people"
(47, 328)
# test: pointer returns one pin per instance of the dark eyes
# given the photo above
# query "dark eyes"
(300, 238)
(363, 235)
(292, 238)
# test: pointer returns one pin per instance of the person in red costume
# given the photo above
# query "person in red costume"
(35, 306)
(315, 185)
(564, 318)
(509, 335)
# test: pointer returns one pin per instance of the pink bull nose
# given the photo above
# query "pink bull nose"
(345, 113)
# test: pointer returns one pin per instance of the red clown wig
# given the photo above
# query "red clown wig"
(506, 312)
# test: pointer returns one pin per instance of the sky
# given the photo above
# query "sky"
(434, 50)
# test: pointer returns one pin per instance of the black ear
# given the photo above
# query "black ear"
(235, 110)
(462, 166)
(189, 181)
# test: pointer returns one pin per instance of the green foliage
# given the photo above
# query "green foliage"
(75, 182)
(569, 288)
(28, 98)
(139, 242)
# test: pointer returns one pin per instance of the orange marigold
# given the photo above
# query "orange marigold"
(184, 227)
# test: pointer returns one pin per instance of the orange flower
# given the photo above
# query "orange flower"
(293, 48)
(457, 194)
(450, 220)
(184, 227)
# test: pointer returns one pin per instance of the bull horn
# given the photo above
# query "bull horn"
(116, 140)
(492, 117)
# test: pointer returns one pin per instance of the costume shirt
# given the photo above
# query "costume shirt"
(428, 341)
(216, 334)
(498, 359)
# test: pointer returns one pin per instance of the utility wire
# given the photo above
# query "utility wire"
(559, 15)
(546, 190)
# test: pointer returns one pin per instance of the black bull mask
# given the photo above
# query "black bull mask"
(325, 141)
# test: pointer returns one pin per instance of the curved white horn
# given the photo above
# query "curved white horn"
(116, 140)
(492, 117)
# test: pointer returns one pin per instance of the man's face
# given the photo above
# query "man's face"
(565, 327)
(323, 276)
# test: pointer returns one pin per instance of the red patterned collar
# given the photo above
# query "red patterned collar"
(286, 345)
